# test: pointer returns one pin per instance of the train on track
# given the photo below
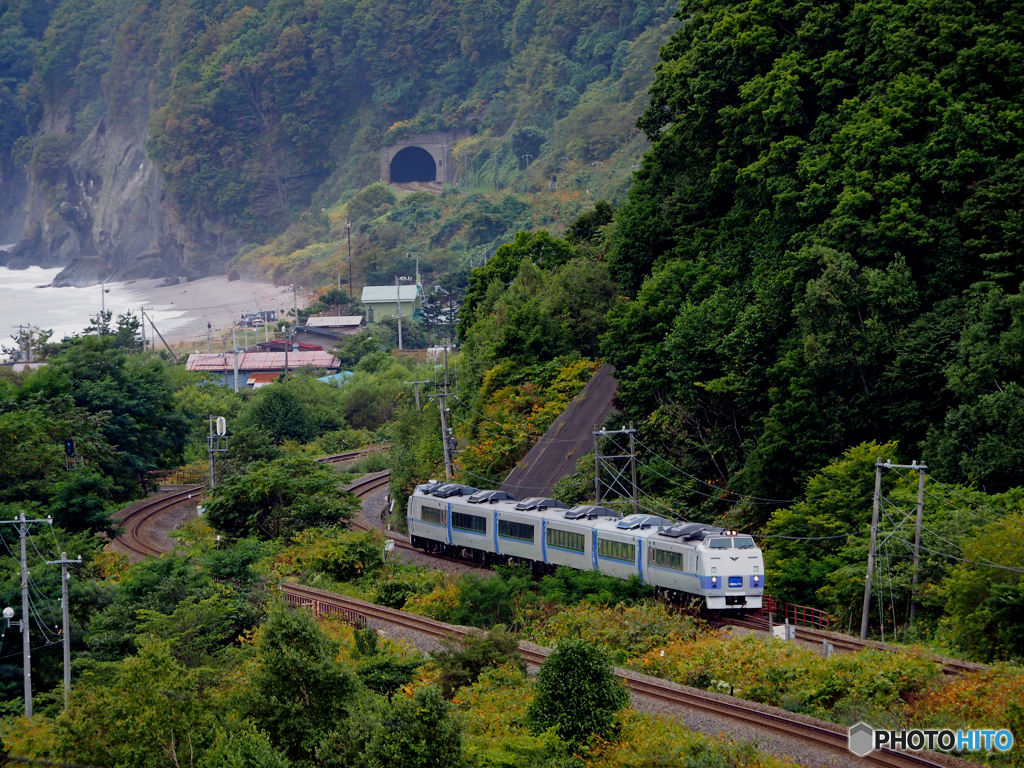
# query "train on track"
(687, 561)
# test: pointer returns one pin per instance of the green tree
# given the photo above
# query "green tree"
(461, 666)
(279, 498)
(242, 747)
(577, 693)
(153, 712)
(298, 692)
(416, 731)
(277, 411)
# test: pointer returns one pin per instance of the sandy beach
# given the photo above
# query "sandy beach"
(188, 307)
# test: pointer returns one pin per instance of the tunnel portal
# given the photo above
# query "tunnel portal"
(413, 164)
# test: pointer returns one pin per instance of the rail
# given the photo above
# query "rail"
(822, 734)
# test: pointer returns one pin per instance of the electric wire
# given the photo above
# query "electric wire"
(999, 520)
(966, 560)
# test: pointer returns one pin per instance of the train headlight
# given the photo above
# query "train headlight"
(714, 582)
(757, 580)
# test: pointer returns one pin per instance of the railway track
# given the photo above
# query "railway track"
(132, 538)
(821, 734)
(134, 541)
(363, 488)
(846, 643)
(347, 456)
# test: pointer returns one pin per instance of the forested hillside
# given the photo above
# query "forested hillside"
(824, 244)
(259, 113)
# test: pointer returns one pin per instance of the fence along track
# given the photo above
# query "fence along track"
(832, 737)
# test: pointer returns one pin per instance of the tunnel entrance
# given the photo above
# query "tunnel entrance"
(413, 164)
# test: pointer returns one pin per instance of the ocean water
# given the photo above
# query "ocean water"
(64, 310)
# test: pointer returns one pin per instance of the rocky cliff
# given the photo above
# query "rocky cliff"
(106, 215)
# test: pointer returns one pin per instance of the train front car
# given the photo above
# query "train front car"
(695, 560)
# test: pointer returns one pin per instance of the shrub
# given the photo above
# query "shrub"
(461, 666)
(577, 693)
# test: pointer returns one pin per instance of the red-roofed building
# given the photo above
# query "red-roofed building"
(257, 380)
(249, 363)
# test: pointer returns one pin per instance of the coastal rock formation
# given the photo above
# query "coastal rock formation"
(107, 216)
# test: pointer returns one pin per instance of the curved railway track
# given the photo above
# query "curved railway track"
(821, 734)
(132, 539)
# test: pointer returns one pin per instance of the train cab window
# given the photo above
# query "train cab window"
(432, 515)
(466, 522)
(511, 530)
(720, 544)
(565, 540)
(616, 550)
(743, 542)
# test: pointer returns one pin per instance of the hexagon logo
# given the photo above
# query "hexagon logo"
(862, 739)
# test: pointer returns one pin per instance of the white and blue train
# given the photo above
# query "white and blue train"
(684, 560)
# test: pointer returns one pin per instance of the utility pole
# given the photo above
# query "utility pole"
(871, 549)
(234, 351)
(295, 302)
(416, 389)
(66, 631)
(921, 469)
(617, 473)
(26, 647)
(143, 326)
(287, 343)
(598, 166)
(446, 433)
(209, 328)
(348, 234)
(171, 351)
(632, 463)
(879, 466)
(398, 296)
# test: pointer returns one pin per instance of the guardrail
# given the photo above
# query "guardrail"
(797, 614)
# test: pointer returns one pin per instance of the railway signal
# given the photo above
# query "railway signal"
(72, 460)
(217, 443)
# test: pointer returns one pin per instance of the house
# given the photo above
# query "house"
(343, 324)
(381, 302)
(249, 363)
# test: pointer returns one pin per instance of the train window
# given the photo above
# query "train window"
(743, 542)
(565, 540)
(616, 550)
(466, 522)
(431, 515)
(511, 530)
(667, 559)
(720, 544)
